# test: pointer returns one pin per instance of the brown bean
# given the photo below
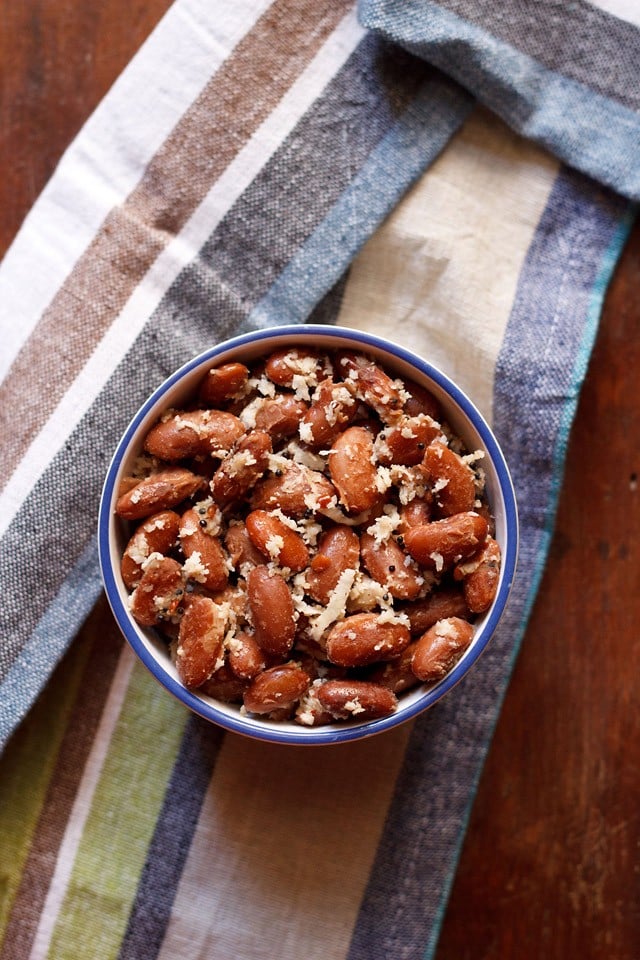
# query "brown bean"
(236, 597)
(246, 657)
(158, 491)
(397, 675)
(276, 541)
(224, 685)
(204, 549)
(272, 611)
(281, 417)
(356, 699)
(276, 688)
(298, 490)
(333, 407)
(310, 712)
(127, 483)
(415, 513)
(187, 433)
(440, 648)
(443, 603)
(387, 563)
(305, 642)
(375, 387)
(352, 471)
(200, 640)
(361, 639)
(157, 534)
(223, 383)
(406, 441)
(239, 546)
(241, 468)
(455, 489)
(485, 511)
(159, 592)
(283, 365)
(440, 544)
(338, 550)
(480, 576)
(421, 401)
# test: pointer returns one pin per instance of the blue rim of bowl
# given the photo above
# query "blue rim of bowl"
(268, 730)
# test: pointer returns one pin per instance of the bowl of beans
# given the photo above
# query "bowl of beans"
(308, 534)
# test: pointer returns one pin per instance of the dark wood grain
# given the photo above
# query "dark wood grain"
(58, 58)
(551, 865)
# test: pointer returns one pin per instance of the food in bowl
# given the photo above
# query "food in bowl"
(309, 536)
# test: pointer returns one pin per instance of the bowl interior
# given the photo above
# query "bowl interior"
(465, 421)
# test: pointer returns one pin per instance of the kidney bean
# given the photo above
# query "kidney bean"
(310, 712)
(454, 484)
(159, 591)
(352, 471)
(480, 576)
(414, 514)
(397, 675)
(439, 649)
(246, 657)
(235, 595)
(283, 365)
(276, 541)
(224, 685)
(276, 688)
(200, 640)
(442, 603)
(420, 401)
(375, 387)
(281, 417)
(338, 550)
(223, 383)
(159, 491)
(240, 547)
(333, 407)
(240, 469)
(356, 699)
(157, 534)
(272, 611)
(391, 566)
(361, 639)
(407, 440)
(190, 432)
(294, 491)
(204, 550)
(440, 544)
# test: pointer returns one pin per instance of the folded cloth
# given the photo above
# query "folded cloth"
(563, 74)
(260, 163)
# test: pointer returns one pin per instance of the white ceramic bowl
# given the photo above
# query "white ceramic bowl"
(459, 412)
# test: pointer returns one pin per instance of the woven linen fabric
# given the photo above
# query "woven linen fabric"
(357, 185)
(563, 74)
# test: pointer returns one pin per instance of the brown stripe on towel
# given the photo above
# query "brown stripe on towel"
(221, 120)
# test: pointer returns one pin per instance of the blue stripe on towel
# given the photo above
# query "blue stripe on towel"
(560, 292)
(171, 840)
(591, 131)
(50, 639)
(411, 145)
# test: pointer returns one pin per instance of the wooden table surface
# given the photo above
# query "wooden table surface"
(551, 862)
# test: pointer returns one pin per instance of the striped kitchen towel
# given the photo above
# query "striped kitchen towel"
(563, 74)
(301, 168)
